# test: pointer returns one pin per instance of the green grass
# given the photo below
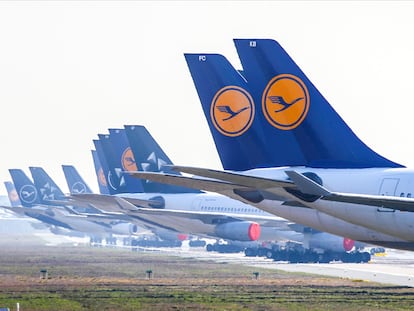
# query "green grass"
(86, 278)
(214, 298)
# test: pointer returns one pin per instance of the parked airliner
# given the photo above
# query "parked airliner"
(263, 146)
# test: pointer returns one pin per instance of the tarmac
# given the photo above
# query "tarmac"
(392, 268)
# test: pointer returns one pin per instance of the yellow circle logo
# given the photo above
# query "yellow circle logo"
(101, 177)
(128, 160)
(285, 102)
(232, 111)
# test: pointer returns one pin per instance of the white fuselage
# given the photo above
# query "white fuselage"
(210, 210)
(219, 204)
(391, 182)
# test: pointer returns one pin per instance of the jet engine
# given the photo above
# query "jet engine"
(239, 231)
(125, 228)
(330, 242)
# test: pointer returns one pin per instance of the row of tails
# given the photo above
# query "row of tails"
(271, 115)
(125, 149)
(267, 115)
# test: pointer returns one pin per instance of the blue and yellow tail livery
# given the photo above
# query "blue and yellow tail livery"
(119, 158)
(230, 112)
(100, 173)
(296, 115)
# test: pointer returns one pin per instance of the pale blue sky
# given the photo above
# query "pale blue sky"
(70, 70)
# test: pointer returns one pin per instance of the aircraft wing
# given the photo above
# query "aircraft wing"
(235, 182)
(15, 209)
(105, 202)
(308, 186)
(109, 204)
(182, 220)
(214, 218)
(207, 184)
(24, 210)
(117, 208)
(247, 189)
(123, 206)
(40, 213)
(200, 222)
(235, 178)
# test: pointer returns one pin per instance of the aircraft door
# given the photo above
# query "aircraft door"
(388, 188)
(196, 204)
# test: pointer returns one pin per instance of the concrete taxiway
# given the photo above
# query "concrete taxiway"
(395, 268)
(384, 270)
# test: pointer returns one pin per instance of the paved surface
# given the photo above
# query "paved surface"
(395, 268)
(400, 273)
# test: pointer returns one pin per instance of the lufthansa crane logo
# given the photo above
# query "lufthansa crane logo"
(232, 111)
(78, 187)
(28, 194)
(285, 101)
(128, 160)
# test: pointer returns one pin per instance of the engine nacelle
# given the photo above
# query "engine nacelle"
(329, 242)
(157, 202)
(125, 229)
(348, 244)
(168, 235)
(238, 231)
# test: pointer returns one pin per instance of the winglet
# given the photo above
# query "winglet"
(307, 185)
(125, 205)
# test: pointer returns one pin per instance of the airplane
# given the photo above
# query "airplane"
(356, 169)
(227, 216)
(43, 200)
(79, 186)
(257, 151)
(166, 203)
(18, 225)
(110, 175)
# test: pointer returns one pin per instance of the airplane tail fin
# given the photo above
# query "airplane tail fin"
(48, 190)
(230, 112)
(100, 175)
(296, 114)
(75, 182)
(119, 158)
(12, 194)
(150, 157)
(112, 189)
(25, 188)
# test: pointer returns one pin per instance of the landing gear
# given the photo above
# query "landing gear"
(224, 248)
(300, 255)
